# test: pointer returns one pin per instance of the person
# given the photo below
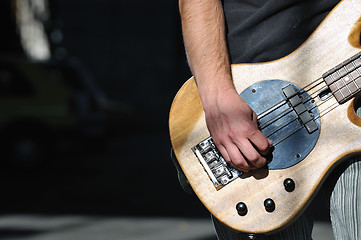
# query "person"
(218, 33)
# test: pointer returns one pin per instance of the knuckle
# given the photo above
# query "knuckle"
(256, 159)
(253, 157)
(252, 130)
(240, 164)
(233, 135)
(263, 146)
(260, 162)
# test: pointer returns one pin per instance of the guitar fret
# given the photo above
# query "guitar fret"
(358, 83)
(358, 69)
(344, 79)
(347, 84)
(341, 83)
(338, 95)
(336, 76)
(353, 87)
(355, 80)
(343, 71)
(345, 92)
(333, 87)
(328, 80)
(354, 74)
(358, 62)
(350, 67)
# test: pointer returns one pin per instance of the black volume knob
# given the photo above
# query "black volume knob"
(289, 184)
(241, 208)
(269, 205)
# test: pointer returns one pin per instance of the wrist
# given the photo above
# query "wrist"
(212, 94)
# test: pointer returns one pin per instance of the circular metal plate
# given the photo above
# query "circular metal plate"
(292, 141)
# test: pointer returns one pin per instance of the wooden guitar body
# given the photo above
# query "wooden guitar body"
(339, 137)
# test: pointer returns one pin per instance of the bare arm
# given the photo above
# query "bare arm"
(231, 122)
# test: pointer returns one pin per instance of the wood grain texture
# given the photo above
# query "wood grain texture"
(331, 43)
(354, 36)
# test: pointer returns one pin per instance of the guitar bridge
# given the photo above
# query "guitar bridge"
(219, 171)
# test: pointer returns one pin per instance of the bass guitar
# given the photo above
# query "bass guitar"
(306, 104)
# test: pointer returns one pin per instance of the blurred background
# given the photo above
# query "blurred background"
(85, 91)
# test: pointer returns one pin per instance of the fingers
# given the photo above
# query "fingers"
(260, 142)
(242, 156)
(246, 153)
(238, 160)
(251, 155)
(233, 126)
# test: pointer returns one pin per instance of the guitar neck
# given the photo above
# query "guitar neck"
(344, 80)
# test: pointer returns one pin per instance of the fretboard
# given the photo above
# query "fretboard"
(344, 80)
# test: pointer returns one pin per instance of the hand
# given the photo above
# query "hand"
(233, 126)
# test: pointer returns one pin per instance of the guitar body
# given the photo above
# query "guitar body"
(338, 134)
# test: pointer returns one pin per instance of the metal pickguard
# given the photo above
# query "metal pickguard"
(293, 149)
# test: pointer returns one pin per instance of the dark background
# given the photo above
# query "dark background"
(132, 53)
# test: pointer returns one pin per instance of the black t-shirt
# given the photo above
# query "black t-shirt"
(264, 30)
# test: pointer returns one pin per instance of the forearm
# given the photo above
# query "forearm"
(204, 37)
(230, 121)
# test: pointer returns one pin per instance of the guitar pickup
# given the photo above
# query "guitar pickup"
(219, 171)
(304, 116)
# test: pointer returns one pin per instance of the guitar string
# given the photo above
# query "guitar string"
(285, 123)
(288, 110)
(282, 102)
(327, 110)
(324, 112)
